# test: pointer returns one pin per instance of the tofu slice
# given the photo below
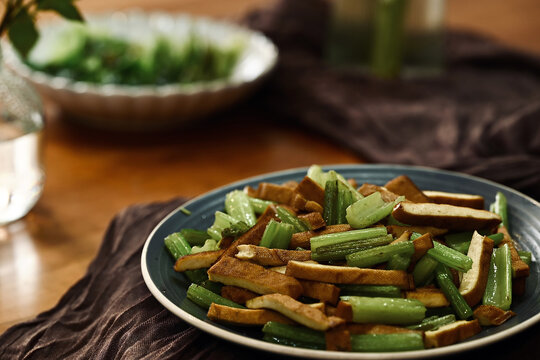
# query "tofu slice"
(445, 216)
(327, 293)
(451, 333)
(349, 275)
(519, 268)
(271, 257)
(196, 261)
(473, 282)
(295, 310)
(246, 317)
(311, 190)
(466, 200)
(232, 271)
(314, 219)
(430, 297)
(397, 230)
(489, 315)
(237, 294)
(403, 185)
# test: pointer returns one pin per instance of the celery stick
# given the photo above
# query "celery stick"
(259, 205)
(339, 251)
(295, 333)
(387, 342)
(318, 175)
(499, 285)
(277, 235)
(450, 257)
(381, 310)
(461, 241)
(204, 297)
(286, 217)
(526, 256)
(344, 200)
(424, 270)
(398, 262)
(433, 322)
(414, 236)
(500, 208)
(346, 236)
(178, 246)
(221, 222)
(194, 237)
(237, 205)
(288, 342)
(369, 210)
(330, 202)
(370, 290)
(497, 238)
(369, 257)
(444, 279)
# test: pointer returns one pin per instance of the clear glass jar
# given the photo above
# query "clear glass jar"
(21, 155)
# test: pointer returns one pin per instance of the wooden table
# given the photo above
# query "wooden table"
(92, 175)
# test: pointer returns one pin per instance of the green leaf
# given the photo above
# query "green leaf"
(22, 32)
(64, 8)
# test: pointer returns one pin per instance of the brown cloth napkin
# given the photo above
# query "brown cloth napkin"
(482, 116)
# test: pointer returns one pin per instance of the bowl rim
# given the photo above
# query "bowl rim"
(58, 83)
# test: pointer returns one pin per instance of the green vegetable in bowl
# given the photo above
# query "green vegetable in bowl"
(83, 54)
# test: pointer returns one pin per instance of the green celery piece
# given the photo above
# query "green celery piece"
(433, 322)
(392, 221)
(370, 290)
(277, 235)
(526, 256)
(209, 245)
(344, 199)
(377, 255)
(330, 202)
(300, 334)
(259, 205)
(318, 175)
(369, 210)
(444, 280)
(221, 222)
(499, 285)
(194, 237)
(450, 257)
(383, 310)
(424, 270)
(204, 297)
(459, 241)
(414, 236)
(500, 207)
(398, 262)
(339, 251)
(235, 229)
(288, 218)
(346, 236)
(497, 238)
(386, 342)
(177, 245)
(237, 205)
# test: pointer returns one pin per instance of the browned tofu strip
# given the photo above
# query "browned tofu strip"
(250, 191)
(489, 315)
(311, 190)
(314, 219)
(368, 189)
(196, 261)
(430, 297)
(403, 237)
(290, 184)
(248, 317)
(519, 267)
(466, 200)
(338, 339)
(278, 193)
(444, 216)
(403, 185)
(295, 310)
(397, 230)
(473, 282)
(231, 271)
(451, 333)
(301, 239)
(344, 310)
(237, 294)
(298, 202)
(253, 236)
(421, 246)
(324, 292)
(519, 286)
(349, 275)
(359, 329)
(312, 206)
(271, 257)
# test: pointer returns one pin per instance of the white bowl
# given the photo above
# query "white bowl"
(148, 107)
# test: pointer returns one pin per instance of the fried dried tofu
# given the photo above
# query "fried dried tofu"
(232, 271)
(237, 294)
(280, 194)
(430, 297)
(466, 200)
(247, 317)
(368, 189)
(295, 310)
(271, 257)
(311, 190)
(338, 339)
(196, 261)
(324, 292)
(489, 315)
(473, 282)
(451, 333)
(314, 219)
(403, 185)
(444, 216)
(349, 275)
(519, 267)
(397, 230)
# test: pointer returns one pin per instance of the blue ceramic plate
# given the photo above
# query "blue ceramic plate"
(170, 287)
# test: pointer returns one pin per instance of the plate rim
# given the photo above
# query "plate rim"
(326, 354)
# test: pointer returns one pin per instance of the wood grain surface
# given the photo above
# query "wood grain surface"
(92, 175)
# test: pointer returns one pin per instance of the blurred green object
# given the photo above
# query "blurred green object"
(387, 38)
(83, 54)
